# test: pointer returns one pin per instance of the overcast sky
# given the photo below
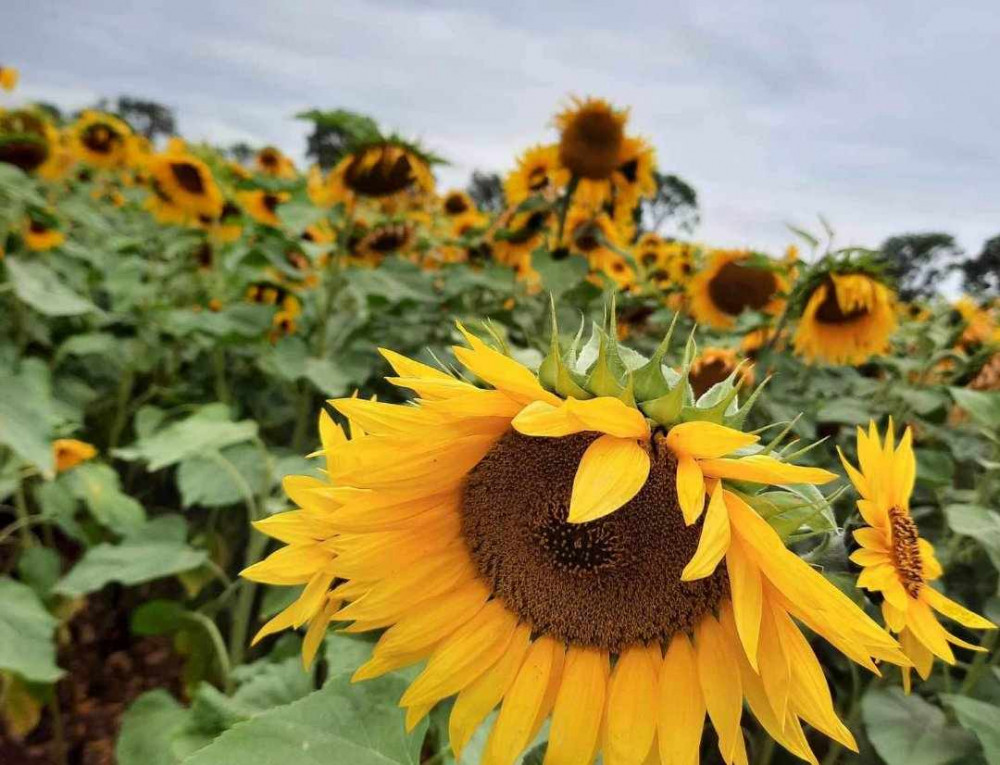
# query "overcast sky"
(881, 116)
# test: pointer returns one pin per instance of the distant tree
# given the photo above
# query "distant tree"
(335, 132)
(242, 152)
(149, 118)
(675, 203)
(982, 273)
(486, 190)
(53, 112)
(919, 262)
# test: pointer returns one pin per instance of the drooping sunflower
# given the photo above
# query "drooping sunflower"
(25, 139)
(896, 561)
(565, 550)
(592, 134)
(382, 170)
(40, 235)
(735, 281)
(262, 205)
(101, 140)
(188, 182)
(848, 318)
(270, 161)
(538, 171)
(714, 365)
(8, 78)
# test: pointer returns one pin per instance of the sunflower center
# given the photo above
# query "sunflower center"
(455, 204)
(389, 174)
(830, 312)
(609, 583)
(905, 551)
(538, 179)
(99, 139)
(704, 376)
(270, 202)
(591, 142)
(388, 238)
(737, 287)
(587, 237)
(188, 177)
(534, 225)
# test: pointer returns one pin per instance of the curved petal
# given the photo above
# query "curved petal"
(719, 674)
(747, 592)
(611, 472)
(682, 709)
(579, 708)
(690, 488)
(714, 541)
(707, 440)
(609, 415)
(632, 704)
(948, 607)
(759, 468)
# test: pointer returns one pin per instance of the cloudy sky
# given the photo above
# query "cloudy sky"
(883, 117)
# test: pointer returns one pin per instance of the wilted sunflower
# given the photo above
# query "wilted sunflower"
(40, 235)
(382, 170)
(735, 281)
(101, 139)
(566, 556)
(188, 182)
(538, 171)
(270, 161)
(8, 77)
(592, 137)
(715, 365)
(896, 561)
(25, 139)
(847, 319)
(262, 205)
(69, 452)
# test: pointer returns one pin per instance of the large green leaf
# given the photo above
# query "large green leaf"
(222, 478)
(982, 406)
(906, 730)
(558, 276)
(26, 634)
(149, 727)
(982, 719)
(99, 487)
(341, 724)
(977, 522)
(41, 288)
(24, 427)
(153, 551)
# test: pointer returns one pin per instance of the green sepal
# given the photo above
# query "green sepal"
(737, 419)
(603, 380)
(714, 404)
(553, 373)
(666, 410)
(650, 382)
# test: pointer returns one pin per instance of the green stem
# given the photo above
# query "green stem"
(766, 752)
(221, 655)
(574, 181)
(243, 610)
(979, 663)
(219, 368)
(24, 519)
(125, 385)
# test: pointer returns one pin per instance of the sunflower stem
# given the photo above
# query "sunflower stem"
(125, 385)
(574, 181)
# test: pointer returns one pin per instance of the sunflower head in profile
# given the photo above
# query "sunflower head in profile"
(539, 172)
(25, 139)
(732, 282)
(270, 161)
(848, 318)
(382, 170)
(579, 545)
(896, 562)
(41, 233)
(8, 78)
(188, 182)
(592, 134)
(101, 140)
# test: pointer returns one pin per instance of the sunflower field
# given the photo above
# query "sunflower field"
(332, 465)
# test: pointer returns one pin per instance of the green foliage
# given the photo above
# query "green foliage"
(26, 634)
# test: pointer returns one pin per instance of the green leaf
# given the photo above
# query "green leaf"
(846, 411)
(341, 724)
(558, 276)
(149, 727)
(26, 634)
(24, 428)
(923, 401)
(153, 551)
(980, 718)
(222, 478)
(906, 730)
(328, 376)
(935, 467)
(99, 487)
(297, 215)
(39, 568)
(982, 406)
(42, 289)
(979, 523)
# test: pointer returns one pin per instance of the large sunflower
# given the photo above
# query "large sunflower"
(592, 137)
(538, 171)
(188, 182)
(552, 553)
(897, 563)
(8, 78)
(101, 139)
(735, 281)
(847, 319)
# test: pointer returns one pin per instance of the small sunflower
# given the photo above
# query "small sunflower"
(382, 170)
(69, 452)
(228, 227)
(60, 157)
(25, 139)
(565, 556)
(320, 232)
(538, 171)
(457, 203)
(715, 365)
(979, 326)
(41, 236)
(101, 139)
(270, 161)
(517, 236)
(631, 181)
(262, 205)
(735, 281)
(848, 318)
(8, 78)
(188, 182)
(386, 239)
(592, 137)
(897, 563)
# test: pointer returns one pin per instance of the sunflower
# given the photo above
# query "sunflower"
(715, 365)
(553, 554)
(988, 376)
(101, 139)
(592, 138)
(386, 239)
(538, 171)
(381, 170)
(978, 324)
(456, 203)
(188, 182)
(60, 155)
(320, 232)
(69, 452)
(735, 281)
(228, 227)
(163, 208)
(270, 161)
(25, 139)
(262, 205)
(40, 236)
(8, 78)
(896, 562)
(517, 236)
(848, 318)
(630, 181)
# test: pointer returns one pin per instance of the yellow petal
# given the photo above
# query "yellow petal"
(707, 440)
(406, 367)
(316, 632)
(747, 594)
(925, 628)
(379, 418)
(502, 372)
(631, 714)
(948, 607)
(579, 708)
(690, 488)
(714, 541)
(611, 472)
(719, 674)
(760, 468)
(681, 709)
(600, 415)
(545, 420)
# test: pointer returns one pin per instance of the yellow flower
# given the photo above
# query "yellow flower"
(713, 365)
(979, 326)
(538, 172)
(8, 77)
(188, 182)
(592, 136)
(896, 562)
(733, 282)
(40, 237)
(262, 205)
(68, 453)
(101, 140)
(380, 171)
(25, 139)
(538, 554)
(848, 318)
(270, 161)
